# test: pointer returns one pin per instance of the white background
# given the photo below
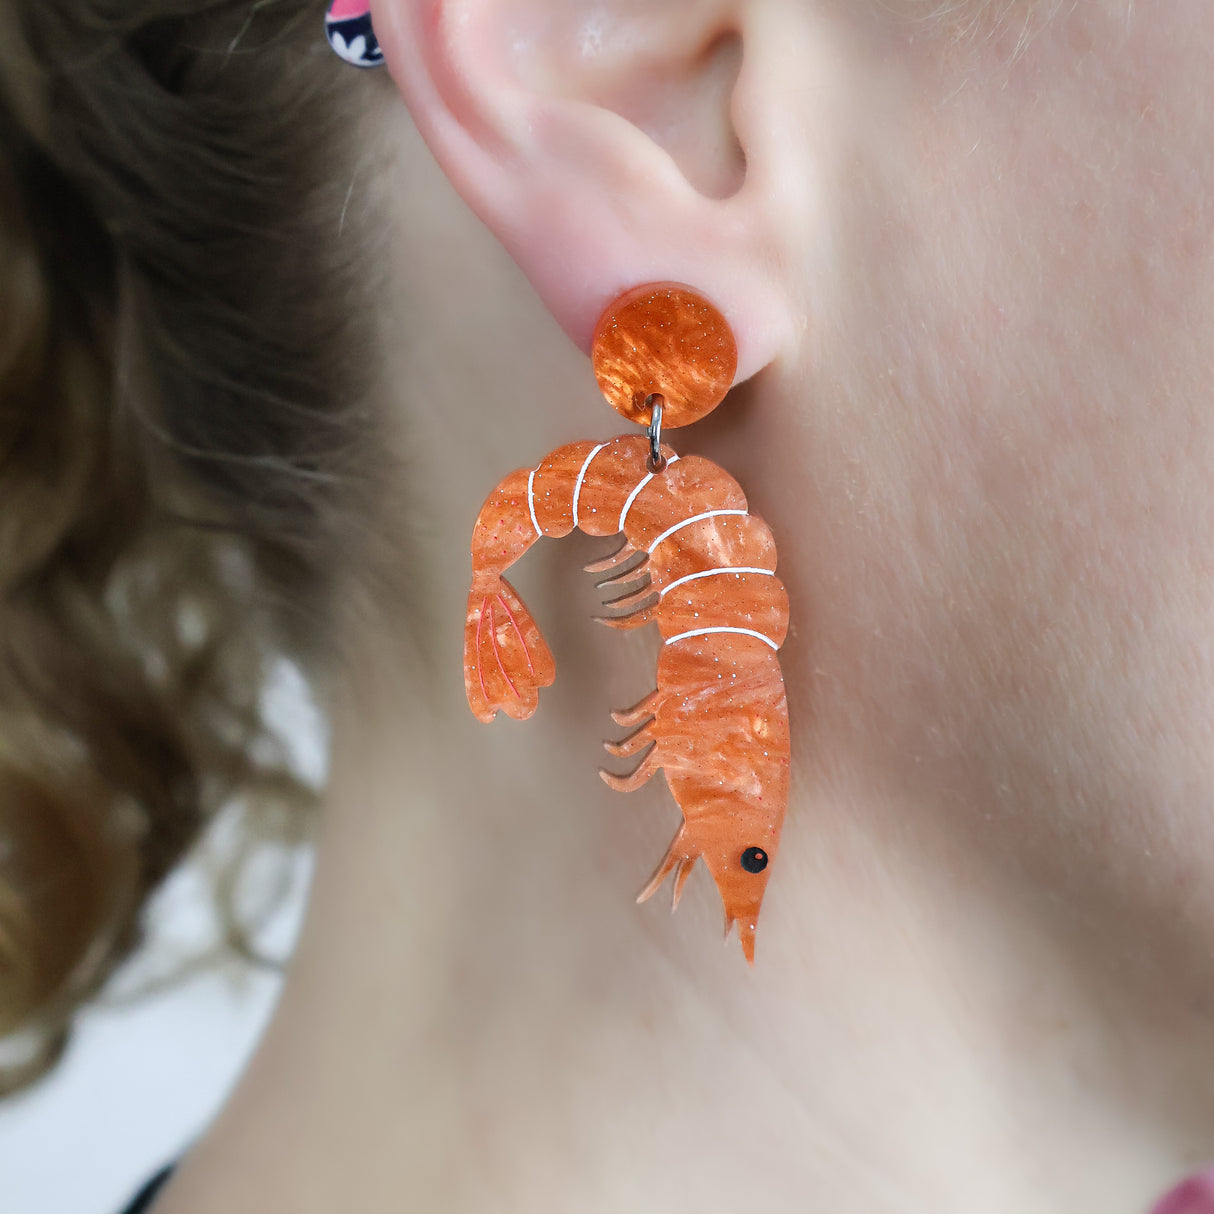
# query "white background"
(143, 1077)
(136, 1086)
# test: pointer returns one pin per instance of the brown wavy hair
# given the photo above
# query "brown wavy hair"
(183, 437)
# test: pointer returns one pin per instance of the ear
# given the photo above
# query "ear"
(608, 143)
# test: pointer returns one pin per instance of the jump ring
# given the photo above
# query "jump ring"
(657, 461)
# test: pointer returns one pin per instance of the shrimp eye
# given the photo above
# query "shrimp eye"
(754, 859)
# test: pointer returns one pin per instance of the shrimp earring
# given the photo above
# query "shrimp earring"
(717, 723)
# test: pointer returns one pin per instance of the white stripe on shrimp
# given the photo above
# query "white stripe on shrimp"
(691, 577)
(700, 632)
(581, 476)
(632, 497)
(531, 502)
(695, 518)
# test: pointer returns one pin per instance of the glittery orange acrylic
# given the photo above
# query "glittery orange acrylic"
(695, 561)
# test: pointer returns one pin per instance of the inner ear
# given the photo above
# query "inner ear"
(668, 69)
(609, 143)
(684, 106)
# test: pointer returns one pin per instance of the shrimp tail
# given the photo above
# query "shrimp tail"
(506, 659)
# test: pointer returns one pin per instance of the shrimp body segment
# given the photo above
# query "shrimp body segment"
(717, 722)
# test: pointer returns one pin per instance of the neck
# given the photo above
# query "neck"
(483, 1013)
(498, 1024)
(948, 1011)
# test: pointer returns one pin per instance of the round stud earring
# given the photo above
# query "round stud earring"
(350, 34)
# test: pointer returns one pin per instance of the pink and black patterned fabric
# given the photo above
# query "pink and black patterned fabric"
(348, 28)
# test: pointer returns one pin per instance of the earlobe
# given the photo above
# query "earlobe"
(597, 142)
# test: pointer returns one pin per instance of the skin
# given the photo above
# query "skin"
(970, 270)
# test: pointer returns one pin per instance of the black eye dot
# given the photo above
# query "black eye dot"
(754, 859)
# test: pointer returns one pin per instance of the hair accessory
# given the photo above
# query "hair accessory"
(717, 723)
(348, 28)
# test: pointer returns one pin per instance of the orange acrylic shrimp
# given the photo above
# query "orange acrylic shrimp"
(717, 723)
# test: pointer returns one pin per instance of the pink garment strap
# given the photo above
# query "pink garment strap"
(1192, 1196)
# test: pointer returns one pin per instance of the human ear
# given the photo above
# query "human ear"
(609, 143)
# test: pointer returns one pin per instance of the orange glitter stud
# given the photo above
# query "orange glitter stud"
(664, 339)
